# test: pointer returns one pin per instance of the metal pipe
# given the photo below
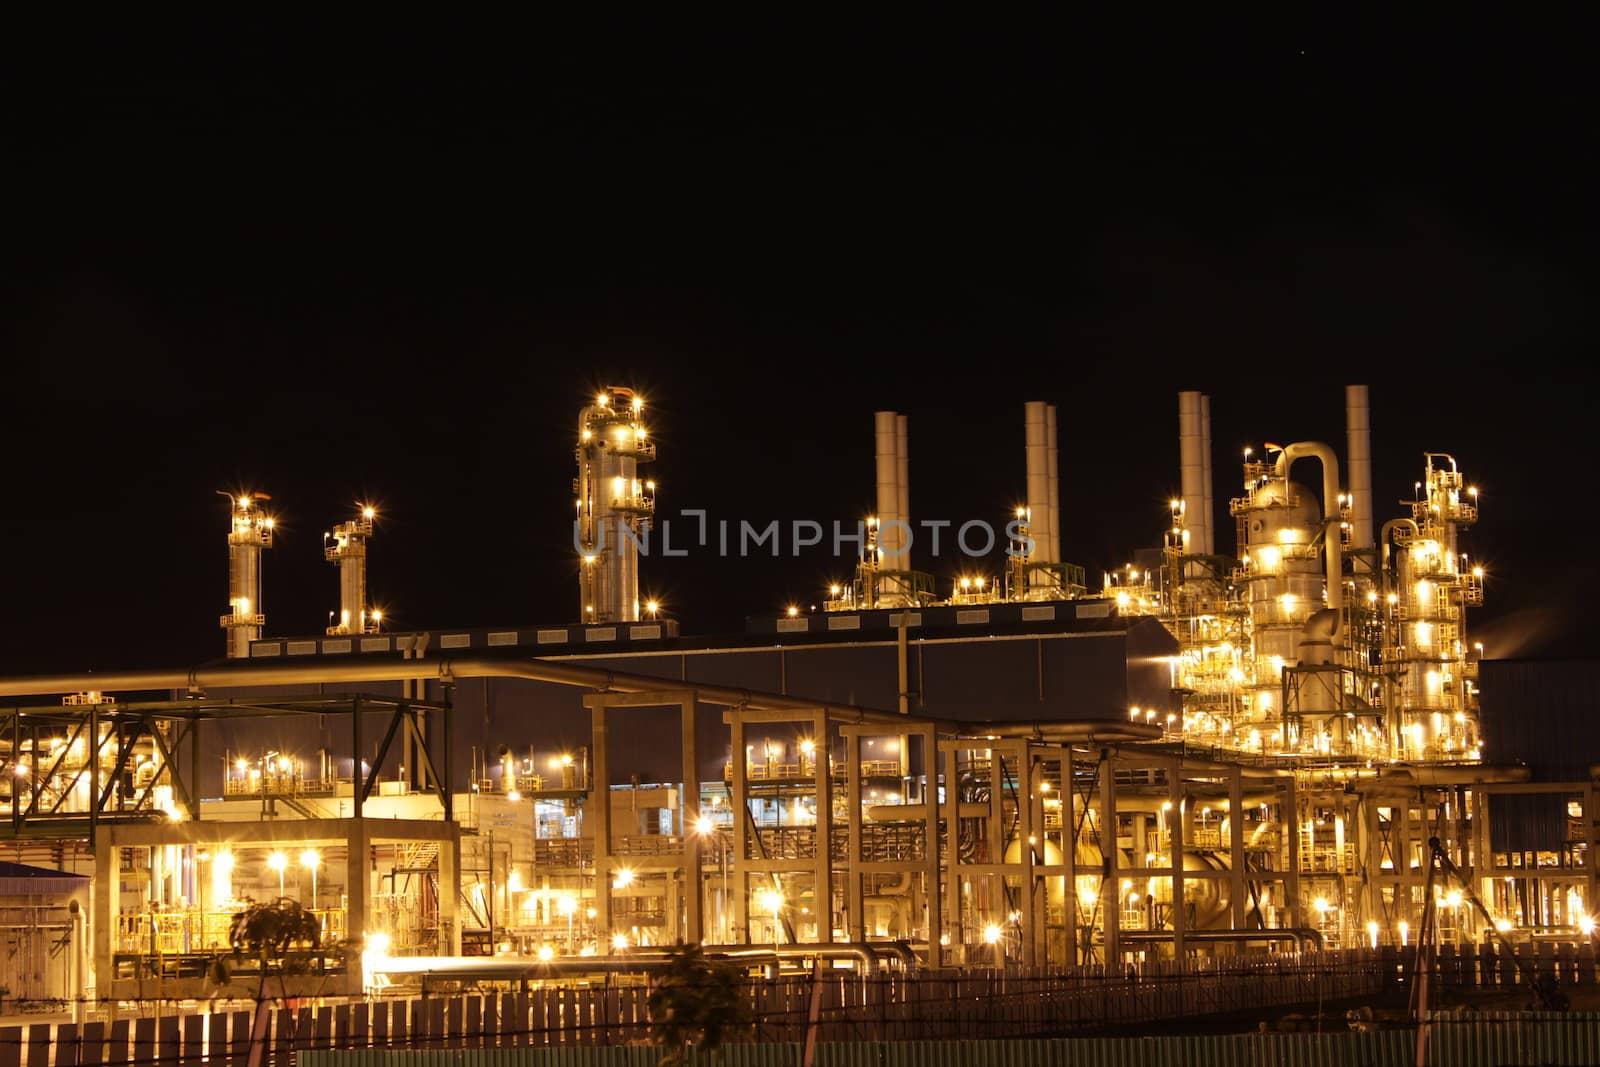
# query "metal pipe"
(1191, 458)
(1358, 450)
(1036, 421)
(443, 668)
(1299, 935)
(1330, 495)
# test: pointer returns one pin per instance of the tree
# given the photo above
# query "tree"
(283, 939)
(695, 1003)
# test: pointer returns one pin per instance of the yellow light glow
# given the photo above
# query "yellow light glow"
(1586, 924)
(619, 942)
(704, 825)
(567, 905)
(991, 933)
(791, 611)
(623, 880)
(310, 859)
(546, 953)
(278, 862)
(1503, 925)
(513, 795)
(771, 900)
(369, 513)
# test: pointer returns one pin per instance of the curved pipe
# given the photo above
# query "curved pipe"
(1388, 530)
(1331, 489)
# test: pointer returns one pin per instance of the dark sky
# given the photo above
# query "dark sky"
(329, 279)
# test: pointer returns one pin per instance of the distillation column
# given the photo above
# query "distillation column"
(346, 546)
(614, 507)
(249, 531)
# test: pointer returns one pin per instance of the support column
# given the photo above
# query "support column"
(930, 843)
(358, 888)
(822, 892)
(1174, 820)
(449, 892)
(1069, 842)
(1027, 842)
(688, 817)
(1236, 867)
(853, 902)
(952, 816)
(1109, 854)
(1291, 880)
(740, 802)
(107, 861)
(600, 811)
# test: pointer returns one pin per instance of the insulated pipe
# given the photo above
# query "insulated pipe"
(1210, 546)
(886, 424)
(902, 448)
(1299, 935)
(1052, 482)
(1358, 450)
(1036, 422)
(1191, 458)
(1330, 496)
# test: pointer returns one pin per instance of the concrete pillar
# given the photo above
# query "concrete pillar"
(853, 902)
(1236, 882)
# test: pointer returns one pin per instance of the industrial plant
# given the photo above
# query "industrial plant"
(1205, 750)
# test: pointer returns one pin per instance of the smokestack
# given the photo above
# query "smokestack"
(1036, 423)
(1191, 453)
(1205, 466)
(902, 447)
(886, 423)
(1358, 452)
(1054, 480)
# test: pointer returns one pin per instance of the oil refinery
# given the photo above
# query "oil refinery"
(1209, 751)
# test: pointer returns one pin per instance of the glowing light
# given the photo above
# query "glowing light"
(791, 611)
(808, 747)
(546, 953)
(310, 859)
(513, 795)
(369, 513)
(1321, 905)
(1586, 924)
(1453, 899)
(704, 825)
(514, 882)
(567, 905)
(1405, 930)
(1503, 925)
(619, 942)
(623, 880)
(771, 900)
(991, 934)
(278, 862)
(378, 943)
(1372, 934)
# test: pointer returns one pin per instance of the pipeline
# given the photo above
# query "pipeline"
(1299, 935)
(199, 679)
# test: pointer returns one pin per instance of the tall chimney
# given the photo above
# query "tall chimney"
(1036, 423)
(902, 448)
(886, 424)
(1358, 455)
(1054, 487)
(1191, 453)
(1208, 517)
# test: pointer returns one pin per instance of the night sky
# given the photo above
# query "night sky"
(332, 281)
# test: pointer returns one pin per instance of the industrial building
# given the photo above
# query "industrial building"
(1209, 751)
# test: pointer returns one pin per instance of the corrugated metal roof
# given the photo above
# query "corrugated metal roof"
(22, 880)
